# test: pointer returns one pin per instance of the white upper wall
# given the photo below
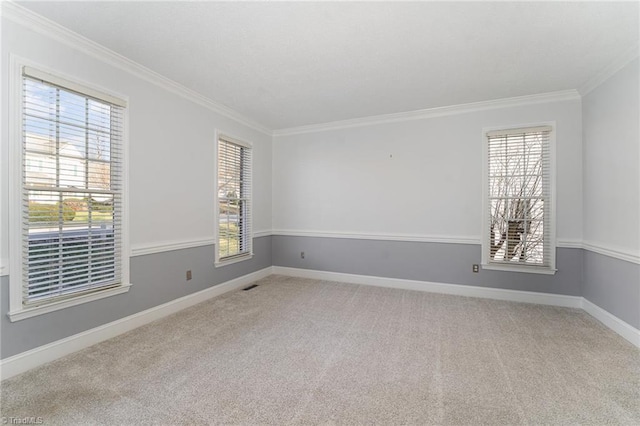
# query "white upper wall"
(171, 145)
(611, 139)
(413, 178)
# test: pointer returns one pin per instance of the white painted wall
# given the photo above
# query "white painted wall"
(171, 146)
(612, 162)
(420, 177)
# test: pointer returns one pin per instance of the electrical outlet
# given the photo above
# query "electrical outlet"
(476, 268)
(188, 274)
(301, 255)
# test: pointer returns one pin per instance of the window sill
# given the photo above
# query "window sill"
(516, 268)
(232, 260)
(29, 312)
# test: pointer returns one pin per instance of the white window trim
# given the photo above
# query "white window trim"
(486, 264)
(17, 310)
(241, 257)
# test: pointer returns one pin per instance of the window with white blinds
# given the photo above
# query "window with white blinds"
(518, 217)
(234, 200)
(72, 192)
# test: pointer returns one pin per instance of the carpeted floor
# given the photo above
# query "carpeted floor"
(297, 351)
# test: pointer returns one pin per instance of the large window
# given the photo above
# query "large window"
(234, 200)
(518, 222)
(72, 190)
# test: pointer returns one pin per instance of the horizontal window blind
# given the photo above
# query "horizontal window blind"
(72, 190)
(519, 196)
(234, 199)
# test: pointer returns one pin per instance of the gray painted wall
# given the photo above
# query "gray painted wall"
(159, 278)
(613, 285)
(156, 278)
(436, 262)
(611, 192)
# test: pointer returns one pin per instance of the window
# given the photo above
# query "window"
(234, 200)
(518, 226)
(71, 194)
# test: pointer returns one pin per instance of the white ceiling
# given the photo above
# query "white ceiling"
(292, 64)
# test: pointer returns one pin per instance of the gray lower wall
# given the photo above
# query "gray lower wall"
(156, 278)
(435, 262)
(613, 285)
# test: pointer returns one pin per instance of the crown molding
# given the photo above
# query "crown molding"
(39, 24)
(607, 72)
(23, 16)
(564, 95)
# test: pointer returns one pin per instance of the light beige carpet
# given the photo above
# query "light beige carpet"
(295, 351)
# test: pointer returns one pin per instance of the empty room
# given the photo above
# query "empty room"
(274, 213)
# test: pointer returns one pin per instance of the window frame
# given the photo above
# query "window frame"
(17, 309)
(486, 215)
(223, 261)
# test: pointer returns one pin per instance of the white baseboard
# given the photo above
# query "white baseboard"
(624, 329)
(24, 361)
(454, 289)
